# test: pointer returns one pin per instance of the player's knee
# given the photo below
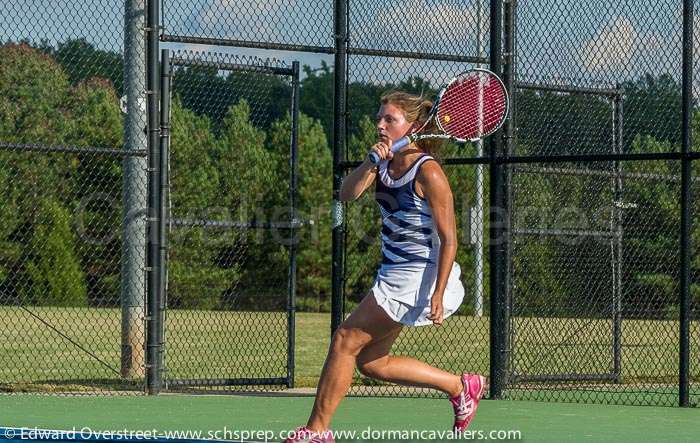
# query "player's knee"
(346, 341)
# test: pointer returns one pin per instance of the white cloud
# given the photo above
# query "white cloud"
(290, 21)
(611, 48)
(443, 27)
(447, 24)
(218, 11)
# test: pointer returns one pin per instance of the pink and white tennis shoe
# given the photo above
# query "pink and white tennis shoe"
(467, 401)
(303, 434)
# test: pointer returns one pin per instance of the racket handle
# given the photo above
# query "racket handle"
(398, 144)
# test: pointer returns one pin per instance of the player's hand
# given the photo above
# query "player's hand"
(436, 309)
(382, 149)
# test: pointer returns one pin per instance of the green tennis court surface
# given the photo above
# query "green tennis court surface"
(536, 421)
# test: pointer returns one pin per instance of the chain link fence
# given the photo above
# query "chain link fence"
(300, 25)
(595, 267)
(593, 254)
(611, 237)
(694, 366)
(417, 58)
(63, 237)
(72, 168)
(230, 292)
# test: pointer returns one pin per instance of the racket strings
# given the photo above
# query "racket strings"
(472, 106)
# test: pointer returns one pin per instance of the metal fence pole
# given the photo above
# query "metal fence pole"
(497, 250)
(293, 194)
(153, 308)
(508, 57)
(477, 218)
(684, 349)
(132, 298)
(616, 240)
(166, 82)
(339, 115)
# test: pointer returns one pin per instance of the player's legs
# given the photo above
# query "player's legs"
(367, 323)
(374, 361)
(464, 391)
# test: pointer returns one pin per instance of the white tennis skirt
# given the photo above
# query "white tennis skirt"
(405, 292)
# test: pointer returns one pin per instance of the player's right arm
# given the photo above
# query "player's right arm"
(357, 182)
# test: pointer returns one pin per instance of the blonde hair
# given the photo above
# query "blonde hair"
(415, 109)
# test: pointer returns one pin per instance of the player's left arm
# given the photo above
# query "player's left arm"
(435, 188)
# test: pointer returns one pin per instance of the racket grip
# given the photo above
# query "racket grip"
(398, 144)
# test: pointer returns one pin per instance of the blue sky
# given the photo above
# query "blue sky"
(565, 41)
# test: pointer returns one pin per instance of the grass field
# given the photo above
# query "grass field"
(213, 344)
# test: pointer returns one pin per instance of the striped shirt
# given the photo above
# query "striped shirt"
(408, 234)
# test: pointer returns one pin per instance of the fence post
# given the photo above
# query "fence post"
(684, 324)
(497, 232)
(339, 115)
(132, 298)
(163, 215)
(293, 220)
(153, 307)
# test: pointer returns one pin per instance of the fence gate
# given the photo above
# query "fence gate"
(595, 259)
(231, 233)
(566, 235)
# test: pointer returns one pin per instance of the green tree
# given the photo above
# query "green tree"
(652, 107)
(254, 182)
(316, 97)
(39, 105)
(247, 168)
(314, 193)
(205, 91)
(53, 268)
(558, 123)
(195, 280)
(82, 61)
(651, 235)
(96, 185)
(33, 97)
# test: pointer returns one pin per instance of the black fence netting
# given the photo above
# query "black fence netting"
(594, 289)
(427, 29)
(595, 250)
(245, 23)
(589, 277)
(64, 239)
(72, 168)
(227, 298)
(579, 58)
(694, 333)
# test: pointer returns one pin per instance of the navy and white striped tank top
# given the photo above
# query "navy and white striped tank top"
(408, 234)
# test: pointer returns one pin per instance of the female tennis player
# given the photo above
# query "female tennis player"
(418, 281)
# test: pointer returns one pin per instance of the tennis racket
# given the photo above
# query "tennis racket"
(473, 105)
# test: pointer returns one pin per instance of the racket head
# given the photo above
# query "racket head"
(473, 105)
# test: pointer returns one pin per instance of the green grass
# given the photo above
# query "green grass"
(214, 344)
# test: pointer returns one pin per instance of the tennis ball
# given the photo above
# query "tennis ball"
(446, 118)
